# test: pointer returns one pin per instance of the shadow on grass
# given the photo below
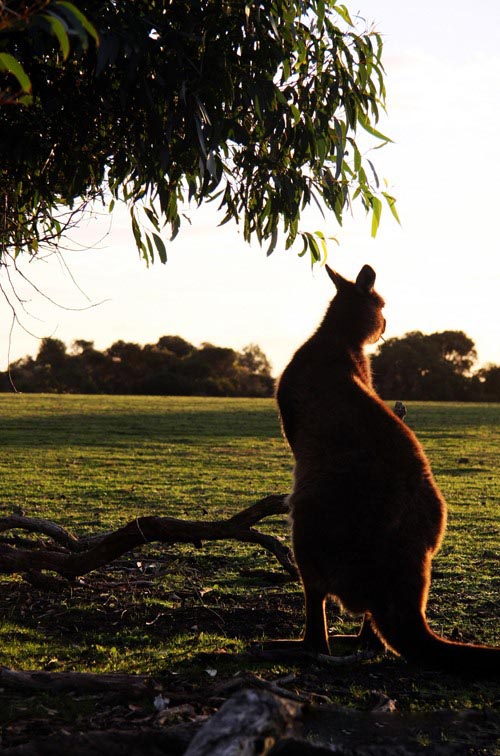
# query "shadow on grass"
(459, 472)
(104, 429)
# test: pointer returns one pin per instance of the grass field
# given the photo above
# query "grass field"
(93, 463)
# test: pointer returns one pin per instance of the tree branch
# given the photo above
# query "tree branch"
(74, 556)
(44, 527)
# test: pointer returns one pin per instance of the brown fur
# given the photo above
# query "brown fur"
(367, 515)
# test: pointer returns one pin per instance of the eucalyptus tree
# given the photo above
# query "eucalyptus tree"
(434, 366)
(256, 106)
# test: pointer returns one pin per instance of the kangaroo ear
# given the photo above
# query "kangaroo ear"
(366, 279)
(336, 277)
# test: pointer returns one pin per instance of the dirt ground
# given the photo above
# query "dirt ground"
(371, 706)
(96, 721)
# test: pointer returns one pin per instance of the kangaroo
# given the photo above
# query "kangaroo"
(367, 516)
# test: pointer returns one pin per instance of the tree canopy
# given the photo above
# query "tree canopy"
(435, 366)
(253, 105)
(172, 366)
(417, 366)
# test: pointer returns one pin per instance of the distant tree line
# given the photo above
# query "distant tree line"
(171, 366)
(416, 366)
(433, 367)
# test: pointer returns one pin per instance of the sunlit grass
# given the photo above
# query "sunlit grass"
(94, 463)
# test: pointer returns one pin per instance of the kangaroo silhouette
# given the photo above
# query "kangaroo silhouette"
(367, 516)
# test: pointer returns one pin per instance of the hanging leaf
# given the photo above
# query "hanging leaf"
(365, 123)
(274, 239)
(376, 206)
(150, 248)
(339, 148)
(377, 182)
(324, 248)
(79, 17)
(162, 251)
(152, 217)
(11, 65)
(391, 201)
(343, 13)
(59, 30)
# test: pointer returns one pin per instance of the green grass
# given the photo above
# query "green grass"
(94, 463)
(91, 461)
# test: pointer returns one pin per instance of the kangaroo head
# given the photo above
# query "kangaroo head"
(357, 306)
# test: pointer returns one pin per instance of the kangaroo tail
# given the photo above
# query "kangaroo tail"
(409, 635)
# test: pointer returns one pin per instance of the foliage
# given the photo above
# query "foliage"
(34, 35)
(436, 366)
(58, 18)
(489, 381)
(171, 366)
(255, 105)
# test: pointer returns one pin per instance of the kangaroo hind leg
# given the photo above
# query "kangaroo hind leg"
(315, 639)
(316, 633)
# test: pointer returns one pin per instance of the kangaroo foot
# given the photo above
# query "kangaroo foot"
(368, 639)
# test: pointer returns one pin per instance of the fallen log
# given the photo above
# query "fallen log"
(131, 686)
(71, 556)
(145, 742)
(250, 722)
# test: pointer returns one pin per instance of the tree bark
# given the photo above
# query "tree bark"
(130, 686)
(70, 556)
(250, 722)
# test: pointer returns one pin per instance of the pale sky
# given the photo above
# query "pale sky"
(439, 270)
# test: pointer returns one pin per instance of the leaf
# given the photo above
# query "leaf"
(322, 239)
(391, 201)
(152, 218)
(80, 17)
(339, 148)
(274, 27)
(365, 123)
(314, 249)
(59, 30)
(344, 14)
(377, 182)
(135, 228)
(10, 64)
(320, 14)
(286, 69)
(376, 205)
(295, 113)
(160, 246)
(305, 243)
(150, 248)
(274, 239)
(211, 164)
(256, 104)
(357, 157)
(160, 703)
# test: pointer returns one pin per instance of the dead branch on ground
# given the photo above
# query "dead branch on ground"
(70, 556)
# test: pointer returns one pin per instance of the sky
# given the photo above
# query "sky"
(439, 270)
